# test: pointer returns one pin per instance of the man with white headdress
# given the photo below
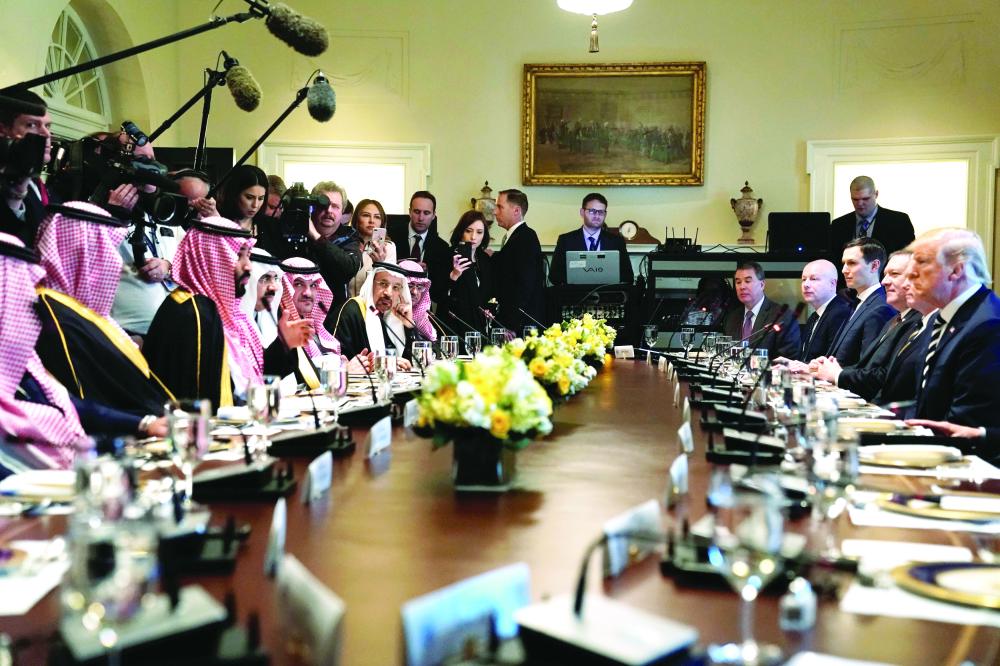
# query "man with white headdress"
(263, 295)
(374, 320)
(201, 344)
(80, 344)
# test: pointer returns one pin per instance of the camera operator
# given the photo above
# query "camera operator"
(194, 185)
(25, 195)
(315, 227)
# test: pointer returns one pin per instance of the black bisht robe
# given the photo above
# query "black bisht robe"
(349, 329)
(89, 356)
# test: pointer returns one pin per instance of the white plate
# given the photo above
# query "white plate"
(917, 456)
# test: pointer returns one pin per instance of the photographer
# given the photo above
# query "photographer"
(25, 195)
(315, 228)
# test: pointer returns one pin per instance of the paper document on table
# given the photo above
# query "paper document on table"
(816, 659)
(894, 602)
(41, 571)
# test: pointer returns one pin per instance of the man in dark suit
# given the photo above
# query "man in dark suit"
(520, 281)
(24, 196)
(419, 241)
(869, 375)
(863, 259)
(593, 235)
(819, 289)
(758, 312)
(890, 227)
(957, 381)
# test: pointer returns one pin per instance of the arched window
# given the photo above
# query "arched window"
(79, 103)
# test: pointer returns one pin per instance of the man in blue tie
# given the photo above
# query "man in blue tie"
(890, 227)
(592, 236)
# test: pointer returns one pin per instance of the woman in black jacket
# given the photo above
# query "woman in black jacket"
(470, 282)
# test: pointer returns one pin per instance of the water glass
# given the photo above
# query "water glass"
(264, 401)
(709, 343)
(422, 354)
(687, 339)
(529, 332)
(188, 430)
(449, 347)
(473, 342)
(650, 333)
(328, 371)
(498, 336)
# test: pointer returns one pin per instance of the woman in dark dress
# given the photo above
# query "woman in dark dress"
(470, 283)
(242, 197)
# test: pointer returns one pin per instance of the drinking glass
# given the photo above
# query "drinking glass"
(384, 366)
(687, 339)
(187, 428)
(264, 401)
(422, 354)
(327, 370)
(530, 332)
(650, 333)
(473, 342)
(748, 527)
(498, 336)
(758, 360)
(449, 347)
(709, 343)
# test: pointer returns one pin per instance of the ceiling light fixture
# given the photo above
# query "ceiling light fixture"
(594, 8)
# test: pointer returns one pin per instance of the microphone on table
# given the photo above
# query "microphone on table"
(541, 326)
(762, 333)
(321, 100)
(680, 322)
(416, 331)
(305, 35)
(440, 322)
(415, 357)
(371, 384)
(491, 317)
(581, 581)
(242, 86)
(468, 325)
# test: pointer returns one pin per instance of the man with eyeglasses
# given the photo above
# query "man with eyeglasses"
(378, 318)
(593, 235)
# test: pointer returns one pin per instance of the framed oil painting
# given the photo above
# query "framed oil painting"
(614, 124)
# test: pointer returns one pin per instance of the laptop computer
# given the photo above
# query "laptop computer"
(798, 233)
(600, 267)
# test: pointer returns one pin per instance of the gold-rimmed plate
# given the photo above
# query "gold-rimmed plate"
(919, 508)
(966, 583)
(908, 456)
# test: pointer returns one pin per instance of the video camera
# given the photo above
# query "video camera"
(92, 167)
(22, 158)
(296, 207)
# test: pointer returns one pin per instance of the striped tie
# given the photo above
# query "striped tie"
(936, 332)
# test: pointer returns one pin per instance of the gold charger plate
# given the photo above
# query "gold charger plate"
(908, 456)
(965, 583)
(924, 509)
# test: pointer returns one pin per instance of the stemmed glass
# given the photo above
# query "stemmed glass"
(833, 469)
(263, 400)
(422, 354)
(473, 342)
(709, 344)
(384, 366)
(687, 339)
(449, 347)
(650, 333)
(746, 550)
(187, 427)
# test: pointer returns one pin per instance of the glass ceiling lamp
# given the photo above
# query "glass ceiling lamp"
(594, 8)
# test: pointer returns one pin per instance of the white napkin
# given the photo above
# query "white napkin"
(816, 659)
(894, 602)
(19, 592)
(977, 468)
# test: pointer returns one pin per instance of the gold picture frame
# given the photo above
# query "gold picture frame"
(614, 124)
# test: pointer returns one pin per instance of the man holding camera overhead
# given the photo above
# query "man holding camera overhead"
(25, 196)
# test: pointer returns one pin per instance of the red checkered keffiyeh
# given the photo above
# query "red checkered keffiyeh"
(421, 320)
(323, 300)
(54, 429)
(203, 264)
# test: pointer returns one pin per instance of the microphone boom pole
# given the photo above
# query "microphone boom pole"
(215, 78)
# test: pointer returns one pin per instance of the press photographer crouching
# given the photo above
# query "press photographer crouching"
(25, 148)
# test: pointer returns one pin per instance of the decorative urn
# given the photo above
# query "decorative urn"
(746, 209)
(485, 203)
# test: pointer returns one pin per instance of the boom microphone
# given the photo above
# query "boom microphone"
(321, 100)
(242, 86)
(302, 33)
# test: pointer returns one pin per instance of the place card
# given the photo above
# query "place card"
(677, 480)
(620, 552)
(319, 477)
(410, 413)
(686, 412)
(288, 386)
(309, 616)
(685, 437)
(379, 437)
(442, 625)
(662, 364)
(677, 394)
(276, 538)
(624, 351)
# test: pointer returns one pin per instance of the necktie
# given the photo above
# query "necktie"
(909, 341)
(415, 250)
(593, 243)
(811, 326)
(747, 325)
(936, 333)
(863, 225)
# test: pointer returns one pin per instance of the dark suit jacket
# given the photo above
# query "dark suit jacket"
(892, 228)
(905, 368)
(783, 343)
(868, 375)
(436, 254)
(519, 280)
(575, 241)
(826, 329)
(961, 384)
(34, 213)
(861, 329)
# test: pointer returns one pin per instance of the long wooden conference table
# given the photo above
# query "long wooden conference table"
(384, 536)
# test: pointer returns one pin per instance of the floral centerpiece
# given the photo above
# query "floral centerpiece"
(553, 363)
(589, 338)
(489, 406)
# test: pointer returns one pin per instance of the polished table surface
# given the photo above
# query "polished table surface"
(387, 534)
